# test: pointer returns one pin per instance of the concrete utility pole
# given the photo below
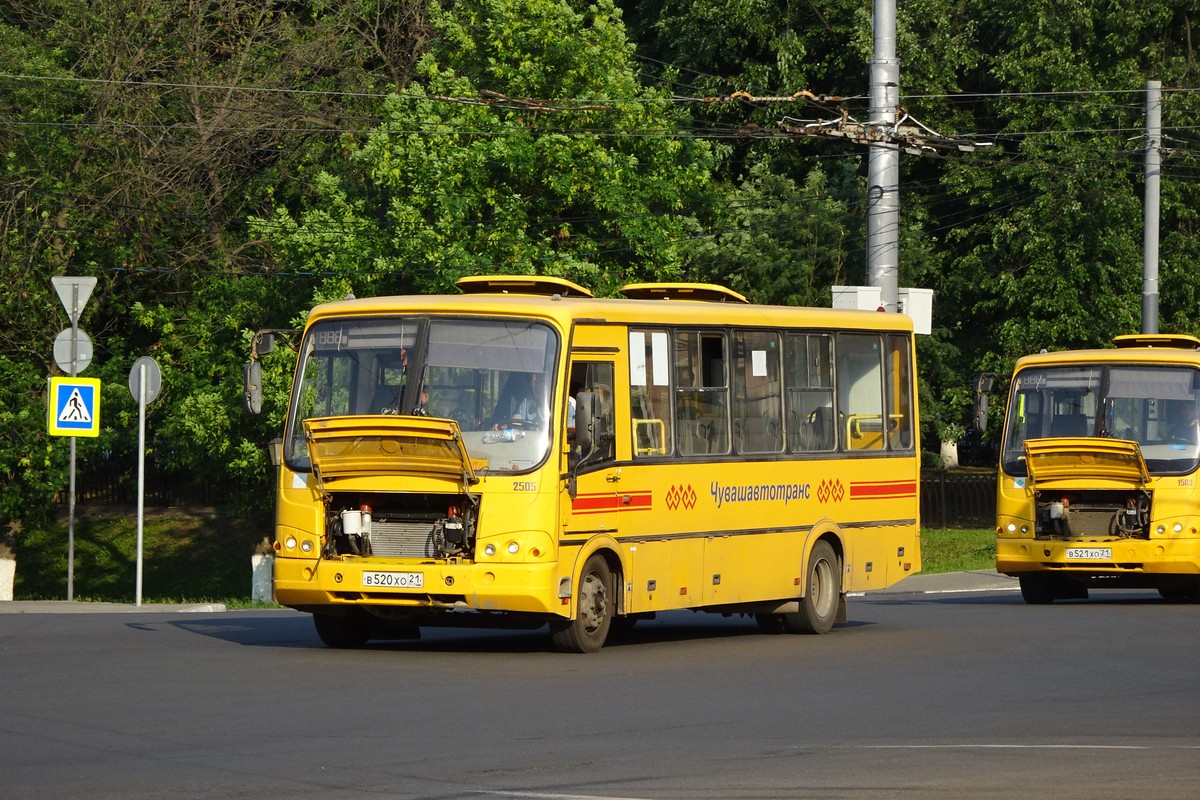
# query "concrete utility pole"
(883, 166)
(1150, 210)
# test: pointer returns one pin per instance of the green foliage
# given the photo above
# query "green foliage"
(448, 187)
(221, 167)
(183, 557)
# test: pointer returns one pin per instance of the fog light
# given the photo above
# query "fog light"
(490, 550)
(1160, 529)
(290, 543)
(1024, 529)
(306, 546)
(513, 547)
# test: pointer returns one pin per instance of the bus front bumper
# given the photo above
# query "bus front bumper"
(423, 587)
(1105, 558)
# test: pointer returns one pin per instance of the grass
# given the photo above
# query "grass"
(957, 549)
(186, 557)
(205, 557)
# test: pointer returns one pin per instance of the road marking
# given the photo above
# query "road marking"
(1026, 747)
(555, 796)
(938, 591)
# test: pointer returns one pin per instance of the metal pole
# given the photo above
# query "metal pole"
(141, 472)
(883, 166)
(1151, 209)
(71, 489)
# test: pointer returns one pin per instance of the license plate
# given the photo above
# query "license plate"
(393, 580)
(1089, 553)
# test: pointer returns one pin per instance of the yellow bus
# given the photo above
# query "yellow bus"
(1098, 471)
(525, 454)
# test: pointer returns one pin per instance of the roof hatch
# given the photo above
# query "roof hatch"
(706, 292)
(1177, 340)
(547, 285)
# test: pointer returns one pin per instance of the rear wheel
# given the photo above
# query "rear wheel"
(345, 631)
(819, 606)
(587, 632)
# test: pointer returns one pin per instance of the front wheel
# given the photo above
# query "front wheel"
(1037, 590)
(350, 630)
(587, 632)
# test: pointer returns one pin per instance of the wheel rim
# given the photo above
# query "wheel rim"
(593, 603)
(822, 588)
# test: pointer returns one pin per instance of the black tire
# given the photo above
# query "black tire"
(594, 611)
(1180, 594)
(342, 632)
(1037, 590)
(770, 623)
(819, 606)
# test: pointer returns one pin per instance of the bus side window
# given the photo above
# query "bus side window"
(650, 393)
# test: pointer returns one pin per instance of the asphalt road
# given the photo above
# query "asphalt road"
(936, 691)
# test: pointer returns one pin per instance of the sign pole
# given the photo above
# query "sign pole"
(141, 501)
(71, 491)
(145, 382)
(74, 293)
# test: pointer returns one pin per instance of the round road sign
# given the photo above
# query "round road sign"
(153, 378)
(62, 351)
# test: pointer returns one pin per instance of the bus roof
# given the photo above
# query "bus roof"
(1133, 348)
(504, 299)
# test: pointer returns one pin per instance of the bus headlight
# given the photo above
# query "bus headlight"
(306, 546)
(290, 543)
(489, 550)
(513, 548)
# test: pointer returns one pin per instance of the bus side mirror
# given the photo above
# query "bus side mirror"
(983, 385)
(253, 388)
(979, 419)
(585, 437)
(585, 421)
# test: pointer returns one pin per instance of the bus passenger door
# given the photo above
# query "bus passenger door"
(591, 508)
(597, 359)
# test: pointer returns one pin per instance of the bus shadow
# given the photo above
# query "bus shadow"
(289, 630)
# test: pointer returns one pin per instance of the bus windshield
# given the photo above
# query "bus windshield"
(1155, 406)
(491, 376)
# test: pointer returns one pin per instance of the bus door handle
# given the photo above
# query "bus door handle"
(613, 477)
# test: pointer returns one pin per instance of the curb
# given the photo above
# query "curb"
(76, 607)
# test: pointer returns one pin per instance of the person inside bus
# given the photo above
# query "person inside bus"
(1186, 428)
(521, 403)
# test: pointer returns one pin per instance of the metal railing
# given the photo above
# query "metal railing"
(949, 498)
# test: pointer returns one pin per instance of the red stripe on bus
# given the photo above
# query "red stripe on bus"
(883, 489)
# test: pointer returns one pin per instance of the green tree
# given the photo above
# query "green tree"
(527, 145)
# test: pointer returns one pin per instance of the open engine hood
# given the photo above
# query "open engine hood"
(355, 447)
(1050, 460)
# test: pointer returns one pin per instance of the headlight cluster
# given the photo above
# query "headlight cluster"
(291, 545)
(524, 548)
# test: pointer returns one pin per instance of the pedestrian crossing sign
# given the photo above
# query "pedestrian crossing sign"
(74, 407)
